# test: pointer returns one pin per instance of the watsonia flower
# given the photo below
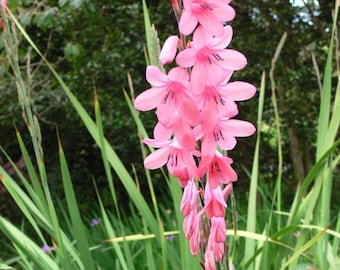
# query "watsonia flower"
(195, 104)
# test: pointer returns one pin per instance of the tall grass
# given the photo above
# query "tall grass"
(302, 237)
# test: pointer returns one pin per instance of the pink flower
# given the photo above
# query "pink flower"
(219, 101)
(169, 93)
(191, 229)
(223, 135)
(210, 14)
(189, 198)
(195, 239)
(190, 221)
(168, 52)
(219, 170)
(180, 161)
(209, 59)
(218, 229)
(176, 110)
(214, 202)
(217, 237)
(209, 263)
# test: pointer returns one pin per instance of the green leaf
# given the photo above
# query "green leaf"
(251, 216)
(24, 243)
(77, 223)
(5, 267)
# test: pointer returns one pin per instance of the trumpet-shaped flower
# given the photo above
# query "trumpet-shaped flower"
(170, 91)
(219, 170)
(209, 59)
(180, 161)
(210, 14)
(223, 135)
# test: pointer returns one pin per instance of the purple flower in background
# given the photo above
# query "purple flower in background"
(170, 237)
(46, 248)
(95, 222)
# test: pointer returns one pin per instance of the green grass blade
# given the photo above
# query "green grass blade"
(32, 174)
(278, 181)
(297, 210)
(336, 241)
(325, 104)
(111, 233)
(150, 258)
(25, 204)
(77, 223)
(152, 42)
(5, 267)
(111, 184)
(251, 216)
(27, 246)
(297, 253)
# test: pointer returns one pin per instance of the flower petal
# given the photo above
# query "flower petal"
(187, 58)
(232, 59)
(155, 76)
(199, 78)
(187, 109)
(161, 133)
(149, 99)
(238, 90)
(210, 22)
(224, 12)
(157, 158)
(184, 135)
(239, 128)
(187, 22)
(178, 74)
(220, 43)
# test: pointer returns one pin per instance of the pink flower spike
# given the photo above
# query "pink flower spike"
(168, 52)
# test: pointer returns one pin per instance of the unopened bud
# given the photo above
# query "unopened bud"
(169, 50)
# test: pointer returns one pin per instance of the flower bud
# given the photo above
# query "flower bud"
(169, 50)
